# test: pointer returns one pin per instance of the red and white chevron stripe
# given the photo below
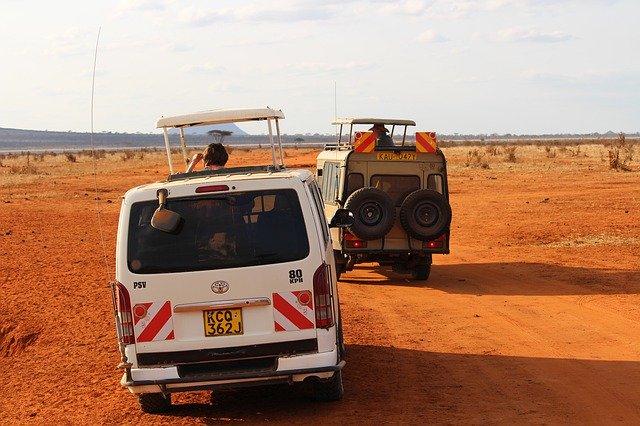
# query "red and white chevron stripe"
(293, 310)
(153, 321)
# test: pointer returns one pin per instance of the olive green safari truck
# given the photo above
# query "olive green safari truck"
(396, 186)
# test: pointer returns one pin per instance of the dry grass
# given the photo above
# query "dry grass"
(476, 158)
(621, 154)
(27, 167)
(535, 157)
(596, 240)
(510, 153)
(17, 169)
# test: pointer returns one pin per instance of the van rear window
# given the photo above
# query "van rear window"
(219, 231)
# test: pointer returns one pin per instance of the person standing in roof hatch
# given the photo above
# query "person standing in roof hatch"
(214, 156)
(382, 135)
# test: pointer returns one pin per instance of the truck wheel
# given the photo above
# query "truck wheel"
(425, 214)
(374, 213)
(421, 272)
(154, 402)
(328, 390)
(341, 262)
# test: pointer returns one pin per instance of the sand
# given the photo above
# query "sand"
(534, 317)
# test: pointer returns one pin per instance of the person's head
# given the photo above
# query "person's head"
(379, 128)
(215, 156)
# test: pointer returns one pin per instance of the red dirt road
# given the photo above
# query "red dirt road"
(534, 318)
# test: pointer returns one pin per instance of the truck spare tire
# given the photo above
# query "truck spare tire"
(425, 214)
(374, 213)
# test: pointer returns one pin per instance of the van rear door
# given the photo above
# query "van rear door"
(234, 281)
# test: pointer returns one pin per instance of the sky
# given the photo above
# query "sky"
(453, 66)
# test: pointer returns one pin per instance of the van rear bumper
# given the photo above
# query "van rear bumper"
(231, 374)
(279, 349)
(227, 381)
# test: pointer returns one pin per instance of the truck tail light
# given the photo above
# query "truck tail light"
(124, 317)
(434, 244)
(322, 292)
(351, 241)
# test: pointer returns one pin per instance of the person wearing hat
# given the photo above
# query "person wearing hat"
(382, 135)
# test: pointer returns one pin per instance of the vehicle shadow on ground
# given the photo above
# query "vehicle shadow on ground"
(393, 385)
(516, 278)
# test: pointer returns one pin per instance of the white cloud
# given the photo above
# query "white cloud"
(316, 67)
(293, 12)
(203, 68)
(407, 7)
(430, 36)
(226, 87)
(601, 79)
(139, 5)
(533, 36)
(72, 41)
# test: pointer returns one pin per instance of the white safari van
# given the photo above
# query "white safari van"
(226, 278)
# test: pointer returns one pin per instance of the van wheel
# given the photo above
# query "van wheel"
(425, 214)
(154, 402)
(374, 213)
(421, 272)
(328, 390)
(342, 348)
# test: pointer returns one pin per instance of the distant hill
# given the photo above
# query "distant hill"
(202, 130)
(12, 140)
(43, 140)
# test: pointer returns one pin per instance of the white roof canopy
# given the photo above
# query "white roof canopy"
(391, 121)
(219, 116)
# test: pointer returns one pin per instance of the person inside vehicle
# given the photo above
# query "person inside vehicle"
(214, 157)
(382, 135)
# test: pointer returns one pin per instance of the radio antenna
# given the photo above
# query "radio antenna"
(95, 161)
(335, 104)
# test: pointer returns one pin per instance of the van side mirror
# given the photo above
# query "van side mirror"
(164, 219)
(342, 218)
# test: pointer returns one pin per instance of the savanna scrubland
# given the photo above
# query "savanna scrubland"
(534, 317)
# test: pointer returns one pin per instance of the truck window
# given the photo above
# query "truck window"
(330, 178)
(397, 186)
(354, 181)
(434, 182)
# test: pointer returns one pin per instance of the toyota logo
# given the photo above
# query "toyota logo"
(220, 287)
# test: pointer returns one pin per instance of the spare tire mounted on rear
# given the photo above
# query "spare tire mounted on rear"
(374, 213)
(425, 214)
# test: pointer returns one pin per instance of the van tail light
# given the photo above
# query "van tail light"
(322, 292)
(211, 188)
(124, 317)
(351, 241)
(435, 244)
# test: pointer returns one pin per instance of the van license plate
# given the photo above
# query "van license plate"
(222, 322)
(392, 156)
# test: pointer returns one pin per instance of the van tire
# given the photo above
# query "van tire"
(327, 390)
(425, 214)
(342, 348)
(374, 213)
(153, 403)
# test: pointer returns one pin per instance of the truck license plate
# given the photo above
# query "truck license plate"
(392, 156)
